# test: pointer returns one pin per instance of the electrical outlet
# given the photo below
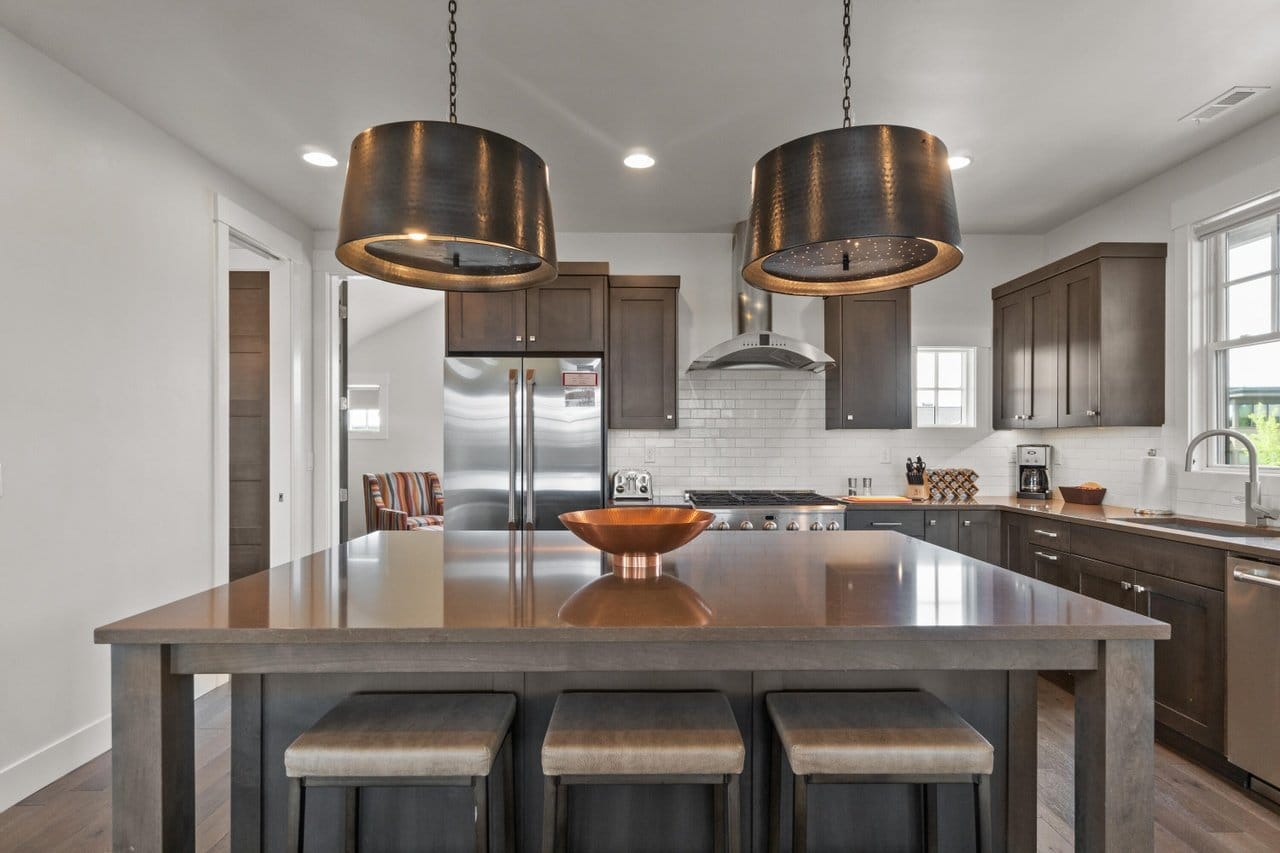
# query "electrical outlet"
(650, 455)
(884, 456)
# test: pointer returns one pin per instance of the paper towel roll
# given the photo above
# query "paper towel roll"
(1156, 494)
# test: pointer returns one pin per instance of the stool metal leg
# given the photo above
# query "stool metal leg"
(508, 797)
(775, 796)
(297, 814)
(734, 794)
(550, 794)
(717, 816)
(982, 809)
(800, 814)
(480, 795)
(929, 818)
(352, 819)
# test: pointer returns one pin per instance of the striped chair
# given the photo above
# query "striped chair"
(403, 500)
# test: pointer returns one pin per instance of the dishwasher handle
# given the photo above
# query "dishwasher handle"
(1260, 580)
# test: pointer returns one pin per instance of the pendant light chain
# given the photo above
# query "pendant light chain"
(453, 61)
(848, 119)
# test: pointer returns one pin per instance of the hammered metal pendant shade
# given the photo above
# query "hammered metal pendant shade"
(446, 206)
(853, 210)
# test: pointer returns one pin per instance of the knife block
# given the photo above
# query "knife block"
(919, 492)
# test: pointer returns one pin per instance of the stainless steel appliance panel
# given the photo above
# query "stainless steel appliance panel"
(564, 438)
(483, 479)
(1253, 668)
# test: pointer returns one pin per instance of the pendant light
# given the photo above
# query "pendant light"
(446, 206)
(858, 209)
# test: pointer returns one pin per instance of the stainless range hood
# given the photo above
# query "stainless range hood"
(756, 346)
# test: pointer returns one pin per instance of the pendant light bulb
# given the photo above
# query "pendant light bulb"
(858, 209)
(447, 206)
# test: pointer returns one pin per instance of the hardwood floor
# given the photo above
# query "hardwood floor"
(1195, 810)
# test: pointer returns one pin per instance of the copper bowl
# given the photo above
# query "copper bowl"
(636, 537)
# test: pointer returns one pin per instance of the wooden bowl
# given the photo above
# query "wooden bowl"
(1077, 495)
(636, 537)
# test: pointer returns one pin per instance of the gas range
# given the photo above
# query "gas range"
(751, 509)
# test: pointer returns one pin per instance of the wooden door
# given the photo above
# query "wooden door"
(1044, 325)
(872, 345)
(642, 357)
(1190, 666)
(978, 534)
(567, 315)
(250, 428)
(1079, 366)
(1015, 555)
(489, 323)
(940, 528)
(1010, 336)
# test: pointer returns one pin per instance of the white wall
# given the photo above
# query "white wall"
(106, 395)
(411, 354)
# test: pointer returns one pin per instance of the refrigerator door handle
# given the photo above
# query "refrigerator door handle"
(530, 384)
(513, 379)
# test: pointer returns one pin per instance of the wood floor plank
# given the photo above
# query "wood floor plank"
(1196, 812)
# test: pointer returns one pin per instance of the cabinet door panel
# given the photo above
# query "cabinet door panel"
(1009, 362)
(1045, 322)
(940, 528)
(872, 345)
(1190, 666)
(1106, 582)
(1055, 567)
(978, 534)
(1079, 369)
(567, 315)
(485, 322)
(1015, 554)
(642, 358)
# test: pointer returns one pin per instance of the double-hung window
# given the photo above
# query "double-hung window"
(945, 386)
(1242, 298)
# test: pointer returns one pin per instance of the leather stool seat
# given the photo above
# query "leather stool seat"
(388, 735)
(890, 733)
(642, 734)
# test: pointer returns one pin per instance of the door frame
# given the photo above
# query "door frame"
(229, 219)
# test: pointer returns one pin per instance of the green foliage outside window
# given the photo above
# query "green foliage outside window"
(1266, 438)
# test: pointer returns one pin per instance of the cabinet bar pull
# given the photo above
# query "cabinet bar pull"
(968, 523)
(1252, 578)
(933, 522)
(886, 524)
(1048, 533)
(1050, 557)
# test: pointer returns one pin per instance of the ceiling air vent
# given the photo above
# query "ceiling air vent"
(1233, 97)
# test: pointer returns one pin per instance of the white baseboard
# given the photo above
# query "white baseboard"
(27, 775)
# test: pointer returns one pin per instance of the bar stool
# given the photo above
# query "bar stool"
(642, 739)
(405, 739)
(882, 737)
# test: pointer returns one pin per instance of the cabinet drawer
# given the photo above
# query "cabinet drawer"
(1177, 560)
(1054, 567)
(906, 521)
(1050, 533)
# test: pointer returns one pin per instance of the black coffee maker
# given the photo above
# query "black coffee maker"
(1033, 471)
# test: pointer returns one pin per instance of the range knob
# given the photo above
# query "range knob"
(770, 525)
(835, 525)
(746, 525)
(817, 525)
(793, 525)
(723, 525)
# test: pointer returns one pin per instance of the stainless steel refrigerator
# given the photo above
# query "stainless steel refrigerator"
(524, 440)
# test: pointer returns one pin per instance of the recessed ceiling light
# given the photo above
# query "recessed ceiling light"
(958, 161)
(638, 160)
(320, 158)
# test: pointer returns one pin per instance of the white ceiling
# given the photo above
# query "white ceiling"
(1062, 105)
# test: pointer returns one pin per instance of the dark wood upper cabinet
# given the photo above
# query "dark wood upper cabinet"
(1080, 342)
(485, 322)
(642, 352)
(566, 315)
(869, 336)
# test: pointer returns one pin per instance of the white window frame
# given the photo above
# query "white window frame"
(383, 382)
(969, 412)
(1210, 288)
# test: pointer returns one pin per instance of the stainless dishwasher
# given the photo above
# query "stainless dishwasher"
(1253, 671)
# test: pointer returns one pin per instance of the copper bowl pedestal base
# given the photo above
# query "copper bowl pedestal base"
(636, 566)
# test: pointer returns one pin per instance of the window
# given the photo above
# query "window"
(944, 386)
(1242, 279)
(367, 408)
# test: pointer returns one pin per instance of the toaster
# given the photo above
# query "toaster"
(632, 485)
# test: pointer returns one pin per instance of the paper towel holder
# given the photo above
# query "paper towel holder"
(1151, 451)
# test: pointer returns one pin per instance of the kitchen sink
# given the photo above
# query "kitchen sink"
(1207, 528)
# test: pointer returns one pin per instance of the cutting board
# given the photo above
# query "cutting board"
(875, 499)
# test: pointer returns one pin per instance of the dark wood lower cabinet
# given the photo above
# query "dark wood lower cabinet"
(1190, 666)
(941, 528)
(1055, 567)
(1106, 582)
(978, 534)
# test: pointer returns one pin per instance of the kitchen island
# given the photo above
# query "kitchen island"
(752, 613)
